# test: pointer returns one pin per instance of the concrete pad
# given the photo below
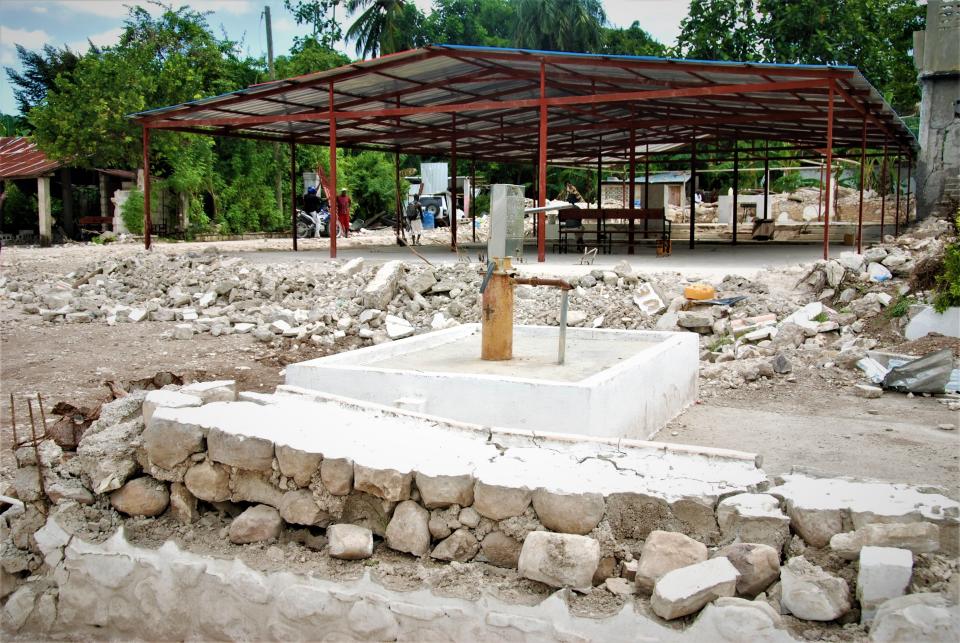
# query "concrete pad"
(593, 393)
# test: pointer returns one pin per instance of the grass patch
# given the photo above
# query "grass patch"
(822, 317)
(900, 307)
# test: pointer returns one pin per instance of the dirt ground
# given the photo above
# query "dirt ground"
(814, 422)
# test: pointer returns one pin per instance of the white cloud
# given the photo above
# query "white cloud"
(236, 7)
(10, 38)
(660, 18)
(38, 9)
(104, 8)
(103, 39)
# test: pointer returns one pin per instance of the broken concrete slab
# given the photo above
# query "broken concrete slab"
(684, 591)
(168, 399)
(214, 391)
(380, 290)
(917, 537)
(884, 574)
(753, 518)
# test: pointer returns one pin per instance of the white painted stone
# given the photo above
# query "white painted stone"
(811, 593)
(215, 391)
(663, 552)
(753, 518)
(166, 399)
(884, 574)
(559, 560)
(917, 537)
(398, 327)
(684, 591)
(350, 542)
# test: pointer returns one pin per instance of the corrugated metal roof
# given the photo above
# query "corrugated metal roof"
(21, 159)
(595, 100)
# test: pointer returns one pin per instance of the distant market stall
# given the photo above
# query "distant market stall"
(541, 107)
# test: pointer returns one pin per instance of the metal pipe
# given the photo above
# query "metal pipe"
(543, 281)
(562, 348)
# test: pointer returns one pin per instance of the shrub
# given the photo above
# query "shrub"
(947, 293)
(132, 212)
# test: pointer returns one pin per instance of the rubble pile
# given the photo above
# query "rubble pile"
(860, 557)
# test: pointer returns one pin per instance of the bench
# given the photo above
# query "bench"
(656, 228)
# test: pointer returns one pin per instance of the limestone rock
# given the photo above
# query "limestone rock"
(208, 481)
(884, 574)
(251, 486)
(918, 537)
(168, 400)
(733, 620)
(141, 497)
(663, 552)
(496, 502)
(398, 327)
(297, 465)
(243, 452)
(915, 617)
(388, 484)
(575, 513)
(259, 523)
(350, 542)
(753, 518)
(460, 546)
(108, 456)
(501, 550)
(811, 593)
(687, 589)
(217, 391)
(300, 508)
(559, 560)
(379, 291)
(758, 564)
(337, 475)
(408, 530)
(169, 442)
(469, 517)
(443, 491)
(367, 511)
(183, 504)
(815, 526)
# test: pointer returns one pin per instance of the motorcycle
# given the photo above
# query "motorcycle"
(306, 224)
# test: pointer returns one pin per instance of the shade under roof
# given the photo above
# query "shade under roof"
(486, 102)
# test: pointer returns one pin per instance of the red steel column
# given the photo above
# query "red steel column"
(863, 167)
(633, 187)
(883, 190)
(827, 188)
(147, 222)
(736, 189)
(766, 180)
(542, 169)
(693, 191)
(453, 190)
(473, 197)
(293, 192)
(646, 188)
(335, 222)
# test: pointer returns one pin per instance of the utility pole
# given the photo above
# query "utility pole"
(273, 76)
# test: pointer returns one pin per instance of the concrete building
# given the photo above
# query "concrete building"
(937, 57)
(666, 188)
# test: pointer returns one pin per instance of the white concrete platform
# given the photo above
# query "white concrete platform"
(614, 383)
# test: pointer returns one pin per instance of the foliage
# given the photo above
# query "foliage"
(900, 306)
(948, 281)
(470, 22)
(791, 182)
(13, 125)
(308, 55)
(632, 41)
(132, 212)
(40, 70)
(560, 25)
(322, 15)
(368, 177)
(383, 26)
(19, 209)
(874, 35)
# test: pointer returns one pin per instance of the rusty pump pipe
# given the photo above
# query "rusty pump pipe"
(496, 342)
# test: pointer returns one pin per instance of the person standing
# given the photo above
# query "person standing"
(343, 212)
(312, 206)
(414, 216)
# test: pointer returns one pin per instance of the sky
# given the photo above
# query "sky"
(35, 23)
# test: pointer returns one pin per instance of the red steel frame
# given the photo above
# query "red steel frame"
(594, 105)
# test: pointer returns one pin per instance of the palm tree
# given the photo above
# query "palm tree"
(560, 25)
(378, 30)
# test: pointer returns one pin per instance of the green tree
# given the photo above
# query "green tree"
(560, 25)
(13, 125)
(321, 15)
(719, 30)
(383, 26)
(470, 22)
(632, 41)
(40, 70)
(308, 55)
(368, 176)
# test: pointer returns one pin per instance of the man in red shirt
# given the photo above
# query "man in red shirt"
(343, 213)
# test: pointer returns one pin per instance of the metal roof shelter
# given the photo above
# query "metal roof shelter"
(540, 106)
